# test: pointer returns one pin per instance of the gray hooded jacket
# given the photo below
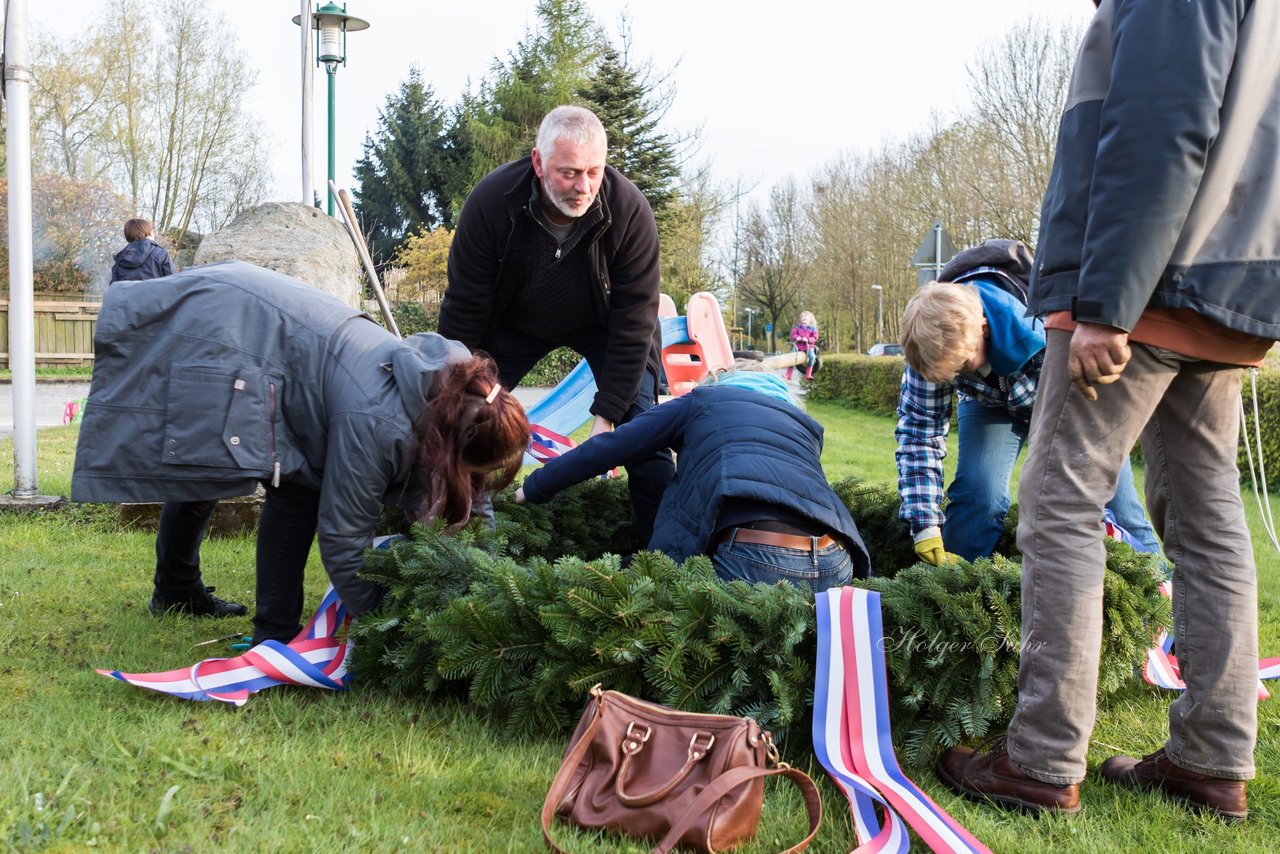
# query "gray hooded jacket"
(1165, 189)
(223, 375)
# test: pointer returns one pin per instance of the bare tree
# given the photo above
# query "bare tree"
(698, 206)
(776, 244)
(132, 90)
(68, 87)
(1019, 88)
(159, 112)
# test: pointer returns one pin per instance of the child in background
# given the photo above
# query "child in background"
(143, 258)
(804, 338)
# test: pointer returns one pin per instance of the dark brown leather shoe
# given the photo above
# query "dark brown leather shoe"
(987, 774)
(1225, 798)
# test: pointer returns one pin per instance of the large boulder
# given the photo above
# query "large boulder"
(293, 239)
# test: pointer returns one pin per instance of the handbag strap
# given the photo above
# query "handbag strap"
(730, 780)
(560, 784)
(706, 799)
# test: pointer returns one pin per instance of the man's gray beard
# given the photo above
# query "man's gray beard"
(559, 203)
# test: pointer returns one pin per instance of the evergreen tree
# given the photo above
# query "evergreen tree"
(618, 95)
(548, 68)
(408, 172)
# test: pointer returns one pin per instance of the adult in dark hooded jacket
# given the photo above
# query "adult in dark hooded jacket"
(142, 258)
(227, 375)
(1158, 275)
(749, 489)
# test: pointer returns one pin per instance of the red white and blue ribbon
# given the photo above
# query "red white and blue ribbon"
(545, 445)
(851, 732)
(316, 658)
(1161, 667)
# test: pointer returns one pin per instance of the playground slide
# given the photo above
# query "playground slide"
(706, 328)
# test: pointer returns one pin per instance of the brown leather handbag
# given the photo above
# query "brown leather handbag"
(650, 772)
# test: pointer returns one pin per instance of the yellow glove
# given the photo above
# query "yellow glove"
(928, 545)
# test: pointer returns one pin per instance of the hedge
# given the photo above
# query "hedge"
(861, 382)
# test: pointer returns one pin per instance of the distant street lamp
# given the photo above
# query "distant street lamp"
(879, 289)
(332, 23)
(750, 313)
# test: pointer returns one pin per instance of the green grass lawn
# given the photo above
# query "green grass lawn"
(87, 761)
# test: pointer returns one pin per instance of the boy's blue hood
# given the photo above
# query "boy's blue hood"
(1014, 339)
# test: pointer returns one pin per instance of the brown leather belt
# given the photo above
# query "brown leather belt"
(773, 538)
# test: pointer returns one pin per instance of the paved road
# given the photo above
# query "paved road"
(52, 397)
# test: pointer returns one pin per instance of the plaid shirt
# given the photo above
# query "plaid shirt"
(924, 419)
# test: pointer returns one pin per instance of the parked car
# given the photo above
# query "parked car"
(885, 350)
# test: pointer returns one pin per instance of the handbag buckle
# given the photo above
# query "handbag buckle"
(771, 750)
(634, 740)
(694, 752)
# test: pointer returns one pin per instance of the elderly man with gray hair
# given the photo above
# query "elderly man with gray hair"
(559, 249)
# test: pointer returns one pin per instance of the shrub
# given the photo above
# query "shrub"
(861, 382)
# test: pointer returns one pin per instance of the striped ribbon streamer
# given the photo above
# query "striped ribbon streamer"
(545, 445)
(1161, 667)
(851, 732)
(315, 658)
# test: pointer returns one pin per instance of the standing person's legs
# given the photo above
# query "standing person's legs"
(178, 538)
(978, 498)
(1193, 489)
(1127, 509)
(286, 530)
(648, 479)
(1076, 451)
(178, 584)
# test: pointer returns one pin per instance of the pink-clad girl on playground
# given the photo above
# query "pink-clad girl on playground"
(804, 338)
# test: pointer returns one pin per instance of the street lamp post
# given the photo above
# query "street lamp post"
(332, 23)
(751, 312)
(879, 289)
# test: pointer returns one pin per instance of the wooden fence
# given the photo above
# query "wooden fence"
(64, 329)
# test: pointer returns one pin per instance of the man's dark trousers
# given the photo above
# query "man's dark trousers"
(517, 353)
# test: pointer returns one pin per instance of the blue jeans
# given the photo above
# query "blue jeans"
(979, 496)
(818, 569)
(516, 354)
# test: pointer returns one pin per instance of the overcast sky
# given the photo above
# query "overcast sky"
(775, 88)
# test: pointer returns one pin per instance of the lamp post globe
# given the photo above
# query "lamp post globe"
(332, 23)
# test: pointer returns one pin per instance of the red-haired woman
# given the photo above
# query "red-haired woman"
(225, 376)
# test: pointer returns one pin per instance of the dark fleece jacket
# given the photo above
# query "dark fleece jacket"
(497, 233)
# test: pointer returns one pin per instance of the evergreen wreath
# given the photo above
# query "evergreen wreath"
(526, 618)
